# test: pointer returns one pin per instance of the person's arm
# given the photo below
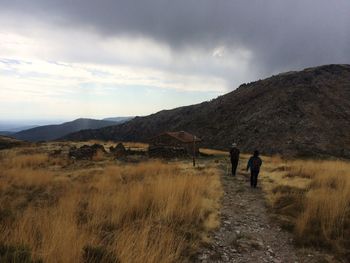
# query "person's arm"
(248, 164)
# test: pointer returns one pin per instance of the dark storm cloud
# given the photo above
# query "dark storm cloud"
(281, 34)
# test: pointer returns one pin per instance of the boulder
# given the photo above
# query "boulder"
(85, 152)
(118, 151)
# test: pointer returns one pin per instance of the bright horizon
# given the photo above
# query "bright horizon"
(62, 60)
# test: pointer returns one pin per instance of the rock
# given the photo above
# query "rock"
(270, 252)
(85, 152)
(9, 142)
(203, 257)
(55, 153)
(257, 244)
(231, 240)
(118, 151)
(225, 258)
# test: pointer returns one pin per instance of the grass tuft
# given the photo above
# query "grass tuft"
(312, 198)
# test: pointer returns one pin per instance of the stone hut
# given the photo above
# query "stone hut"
(180, 141)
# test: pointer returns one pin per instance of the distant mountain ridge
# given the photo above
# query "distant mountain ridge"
(52, 132)
(6, 133)
(299, 113)
(118, 119)
(9, 129)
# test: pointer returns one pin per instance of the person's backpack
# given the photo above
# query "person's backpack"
(256, 164)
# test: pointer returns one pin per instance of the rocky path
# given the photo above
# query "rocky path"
(246, 233)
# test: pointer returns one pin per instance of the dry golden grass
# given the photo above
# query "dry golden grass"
(107, 144)
(29, 177)
(314, 197)
(16, 160)
(146, 212)
(214, 152)
(221, 153)
(135, 145)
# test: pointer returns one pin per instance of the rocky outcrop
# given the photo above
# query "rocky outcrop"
(118, 151)
(85, 152)
(8, 142)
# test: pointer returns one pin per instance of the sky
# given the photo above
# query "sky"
(65, 59)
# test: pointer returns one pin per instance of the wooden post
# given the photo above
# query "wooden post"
(194, 150)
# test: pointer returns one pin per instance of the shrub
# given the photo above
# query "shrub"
(15, 254)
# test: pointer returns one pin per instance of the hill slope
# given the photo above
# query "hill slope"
(294, 113)
(51, 132)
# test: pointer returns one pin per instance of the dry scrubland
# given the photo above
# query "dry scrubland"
(312, 199)
(54, 210)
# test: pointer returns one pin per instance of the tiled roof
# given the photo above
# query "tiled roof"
(183, 136)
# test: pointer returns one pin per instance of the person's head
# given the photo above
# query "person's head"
(256, 153)
(234, 145)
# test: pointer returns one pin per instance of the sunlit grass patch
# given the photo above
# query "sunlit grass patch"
(313, 199)
(111, 211)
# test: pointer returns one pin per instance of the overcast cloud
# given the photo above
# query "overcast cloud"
(203, 46)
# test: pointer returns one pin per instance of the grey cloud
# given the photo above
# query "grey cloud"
(281, 34)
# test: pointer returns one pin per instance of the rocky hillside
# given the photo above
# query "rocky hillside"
(52, 132)
(303, 113)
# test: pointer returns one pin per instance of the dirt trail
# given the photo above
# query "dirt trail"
(246, 233)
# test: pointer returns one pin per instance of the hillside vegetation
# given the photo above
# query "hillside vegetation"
(304, 113)
(56, 210)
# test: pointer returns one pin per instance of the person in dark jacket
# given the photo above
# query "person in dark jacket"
(254, 165)
(234, 156)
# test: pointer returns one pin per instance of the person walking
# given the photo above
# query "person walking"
(254, 165)
(234, 156)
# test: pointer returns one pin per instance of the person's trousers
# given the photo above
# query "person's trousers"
(254, 178)
(234, 166)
